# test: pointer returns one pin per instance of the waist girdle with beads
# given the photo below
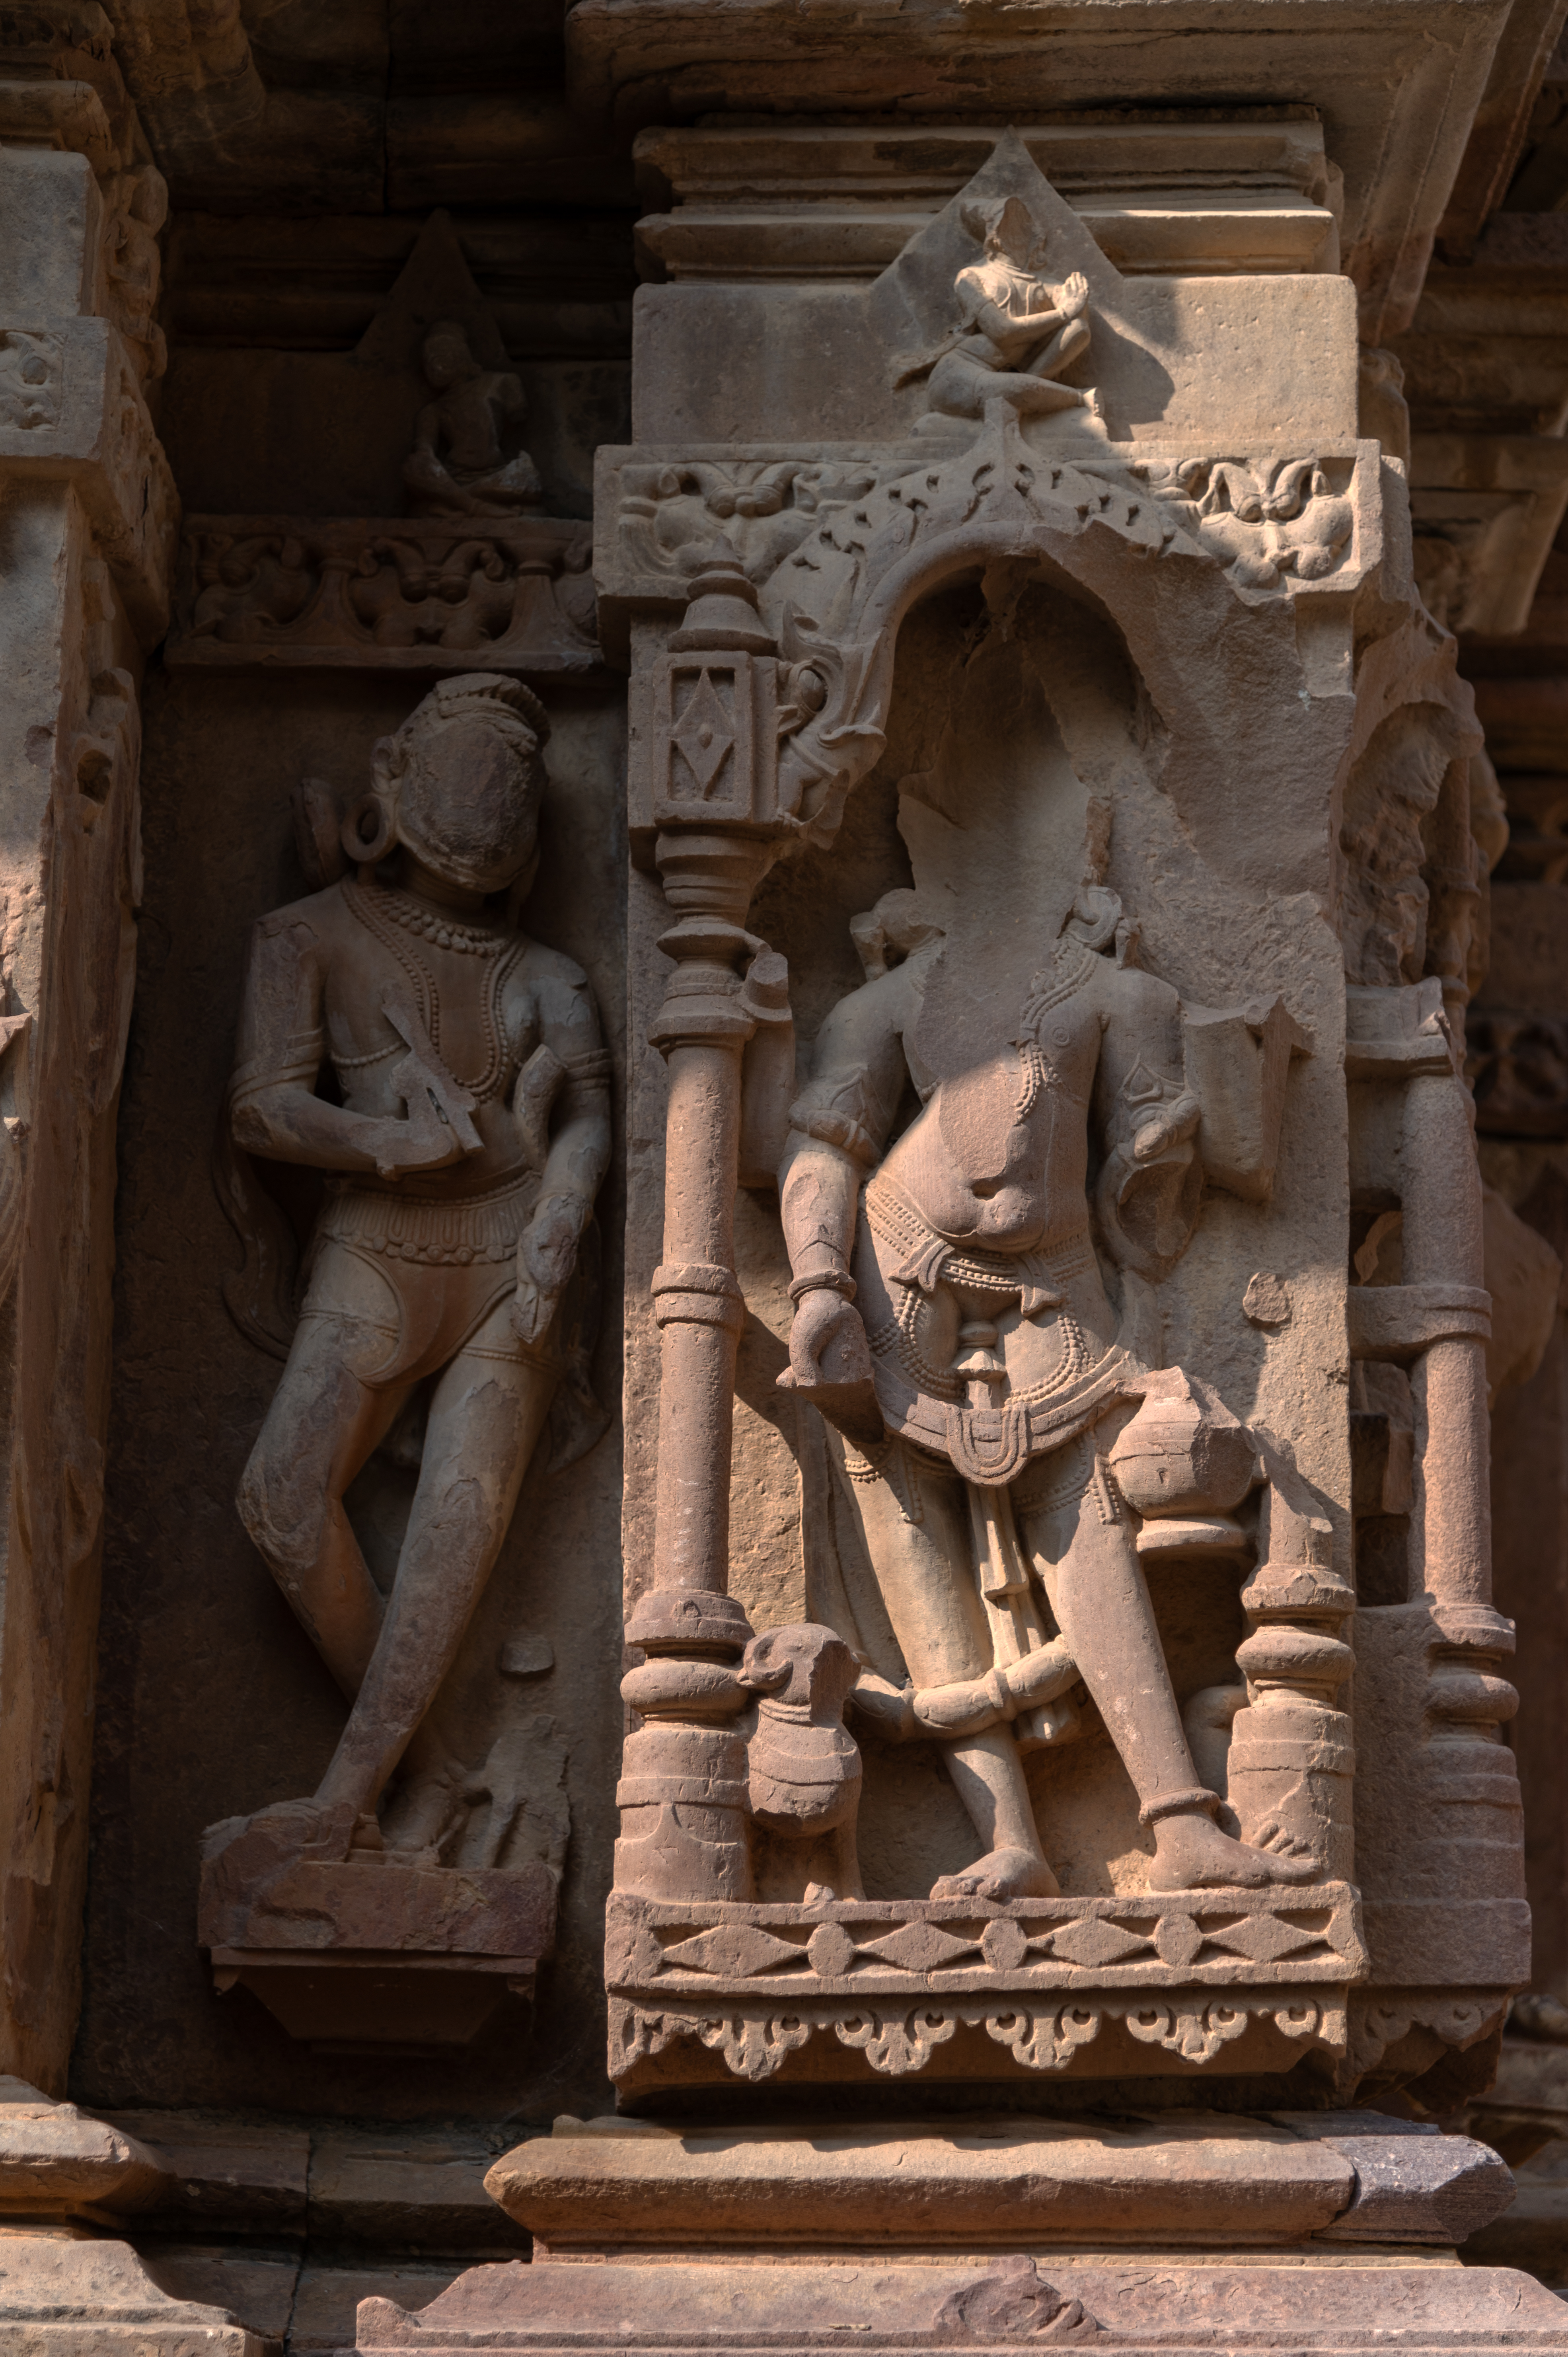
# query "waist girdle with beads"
(926, 1400)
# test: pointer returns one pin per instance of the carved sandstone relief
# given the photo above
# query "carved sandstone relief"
(459, 559)
(1007, 1430)
(450, 1276)
(281, 591)
(460, 465)
(1056, 1309)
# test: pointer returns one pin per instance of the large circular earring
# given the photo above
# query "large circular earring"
(368, 831)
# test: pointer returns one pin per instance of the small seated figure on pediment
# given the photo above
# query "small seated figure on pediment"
(1017, 330)
(458, 466)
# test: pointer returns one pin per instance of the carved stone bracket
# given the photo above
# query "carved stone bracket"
(361, 594)
(380, 1957)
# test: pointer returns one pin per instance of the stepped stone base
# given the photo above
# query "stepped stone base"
(65, 2293)
(1303, 2232)
(1305, 2302)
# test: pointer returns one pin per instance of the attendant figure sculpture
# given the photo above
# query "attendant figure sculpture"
(1017, 333)
(956, 1270)
(462, 1157)
(459, 465)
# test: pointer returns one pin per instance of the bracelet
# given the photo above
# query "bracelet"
(828, 1280)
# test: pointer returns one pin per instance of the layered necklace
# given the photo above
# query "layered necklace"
(382, 909)
(437, 925)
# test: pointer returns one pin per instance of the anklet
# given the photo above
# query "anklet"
(1176, 1805)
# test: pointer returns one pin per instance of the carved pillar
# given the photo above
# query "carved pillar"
(1292, 1758)
(1438, 1849)
(1439, 1193)
(704, 785)
(90, 522)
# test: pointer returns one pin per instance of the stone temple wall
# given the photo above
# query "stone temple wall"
(784, 1068)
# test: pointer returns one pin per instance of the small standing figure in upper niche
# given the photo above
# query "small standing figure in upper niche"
(469, 1139)
(1017, 332)
(459, 465)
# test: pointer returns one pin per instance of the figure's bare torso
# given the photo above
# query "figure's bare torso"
(999, 1157)
(480, 1011)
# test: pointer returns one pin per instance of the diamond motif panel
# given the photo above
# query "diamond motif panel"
(1093, 1941)
(705, 735)
(918, 1948)
(1264, 1939)
(734, 1951)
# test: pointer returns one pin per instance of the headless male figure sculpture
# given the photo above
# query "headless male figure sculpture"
(463, 1162)
(956, 1269)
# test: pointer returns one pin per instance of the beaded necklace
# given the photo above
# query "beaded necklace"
(444, 932)
(392, 918)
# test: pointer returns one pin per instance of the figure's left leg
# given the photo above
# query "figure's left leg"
(486, 1416)
(1086, 1556)
(1065, 346)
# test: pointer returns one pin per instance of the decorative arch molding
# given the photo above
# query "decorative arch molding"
(835, 547)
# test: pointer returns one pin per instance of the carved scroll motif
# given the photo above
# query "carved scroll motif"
(898, 2039)
(835, 546)
(444, 596)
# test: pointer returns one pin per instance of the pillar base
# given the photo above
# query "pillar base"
(67, 2293)
(1323, 2231)
(1159, 2303)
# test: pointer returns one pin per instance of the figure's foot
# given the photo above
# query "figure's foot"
(1004, 1874)
(1192, 1854)
(285, 1834)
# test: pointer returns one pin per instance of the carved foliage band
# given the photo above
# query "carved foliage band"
(274, 590)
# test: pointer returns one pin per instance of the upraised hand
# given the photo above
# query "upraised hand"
(1072, 298)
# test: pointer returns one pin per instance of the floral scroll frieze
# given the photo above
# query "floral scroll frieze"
(832, 520)
(835, 522)
(1264, 519)
(351, 593)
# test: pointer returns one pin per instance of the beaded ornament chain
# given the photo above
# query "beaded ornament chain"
(445, 932)
(380, 909)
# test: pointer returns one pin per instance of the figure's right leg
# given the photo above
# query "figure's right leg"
(924, 1571)
(1085, 1554)
(324, 1423)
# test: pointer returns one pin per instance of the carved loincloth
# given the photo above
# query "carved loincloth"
(919, 1391)
(438, 1267)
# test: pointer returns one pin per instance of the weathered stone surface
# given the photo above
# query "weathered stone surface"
(1062, 1318)
(90, 518)
(1412, 2183)
(672, 59)
(224, 2172)
(63, 2295)
(973, 2185)
(883, 2305)
(54, 2162)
